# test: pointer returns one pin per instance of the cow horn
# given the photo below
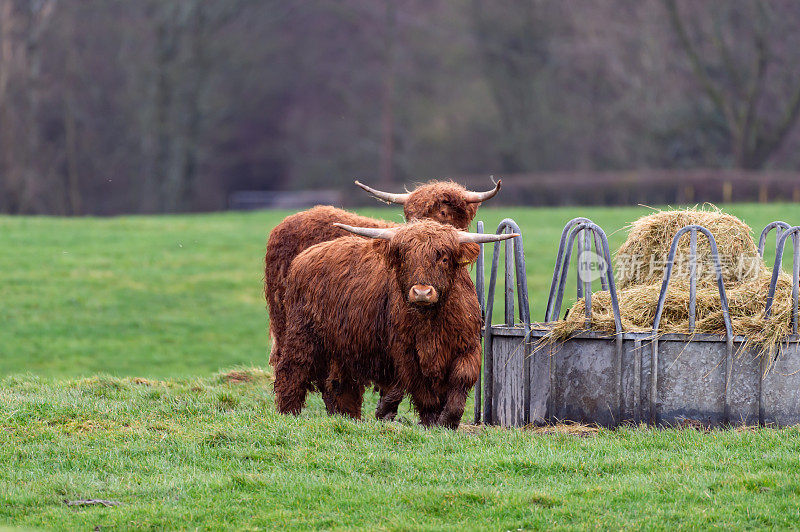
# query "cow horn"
(477, 197)
(481, 238)
(371, 232)
(386, 196)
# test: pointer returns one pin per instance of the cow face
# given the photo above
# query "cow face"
(424, 258)
(444, 202)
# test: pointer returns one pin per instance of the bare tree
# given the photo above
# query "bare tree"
(736, 89)
(26, 167)
(39, 16)
(11, 180)
(169, 105)
(387, 107)
(513, 44)
(182, 64)
(72, 188)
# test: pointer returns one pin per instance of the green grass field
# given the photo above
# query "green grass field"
(115, 331)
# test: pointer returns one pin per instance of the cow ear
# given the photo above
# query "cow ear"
(469, 252)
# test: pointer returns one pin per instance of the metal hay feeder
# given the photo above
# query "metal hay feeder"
(665, 379)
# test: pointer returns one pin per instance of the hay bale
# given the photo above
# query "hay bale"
(638, 291)
(642, 258)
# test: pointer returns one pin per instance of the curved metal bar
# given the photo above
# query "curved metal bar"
(776, 269)
(692, 279)
(597, 233)
(508, 225)
(606, 255)
(668, 274)
(488, 362)
(762, 240)
(583, 246)
(479, 290)
(522, 301)
(508, 285)
(660, 309)
(559, 264)
(523, 304)
(583, 257)
(599, 250)
(562, 280)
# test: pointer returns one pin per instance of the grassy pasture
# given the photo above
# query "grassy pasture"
(212, 453)
(114, 331)
(178, 296)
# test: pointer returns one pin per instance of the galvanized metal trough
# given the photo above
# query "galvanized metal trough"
(666, 379)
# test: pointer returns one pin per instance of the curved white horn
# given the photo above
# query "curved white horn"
(386, 196)
(476, 197)
(482, 238)
(371, 232)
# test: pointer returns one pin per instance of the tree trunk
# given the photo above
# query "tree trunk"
(73, 190)
(387, 107)
(9, 202)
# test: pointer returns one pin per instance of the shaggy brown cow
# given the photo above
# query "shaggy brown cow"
(399, 312)
(444, 201)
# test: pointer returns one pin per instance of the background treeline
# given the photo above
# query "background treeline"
(158, 106)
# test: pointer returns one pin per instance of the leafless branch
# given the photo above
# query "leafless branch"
(713, 92)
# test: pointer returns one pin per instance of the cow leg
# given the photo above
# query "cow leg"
(453, 410)
(462, 378)
(427, 406)
(292, 381)
(349, 397)
(331, 387)
(329, 396)
(340, 392)
(428, 416)
(389, 403)
(275, 273)
(293, 371)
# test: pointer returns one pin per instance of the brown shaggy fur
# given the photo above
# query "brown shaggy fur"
(290, 237)
(350, 324)
(443, 201)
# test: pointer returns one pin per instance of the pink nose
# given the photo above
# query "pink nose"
(422, 293)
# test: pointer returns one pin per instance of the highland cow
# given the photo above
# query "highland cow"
(443, 201)
(399, 311)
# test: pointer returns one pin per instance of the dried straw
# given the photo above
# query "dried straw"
(651, 236)
(638, 290)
